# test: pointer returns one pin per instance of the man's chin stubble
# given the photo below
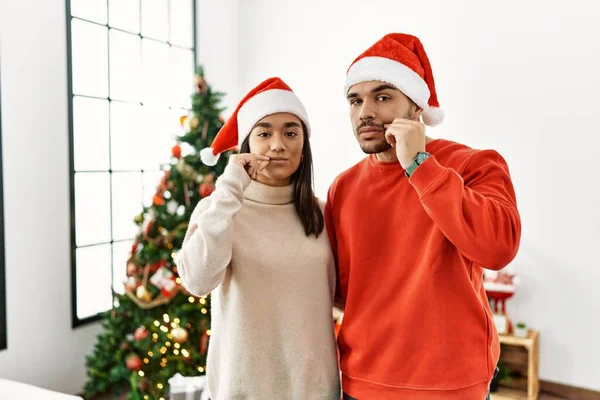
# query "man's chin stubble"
(376, 148)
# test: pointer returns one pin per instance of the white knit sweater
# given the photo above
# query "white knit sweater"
(272, 289)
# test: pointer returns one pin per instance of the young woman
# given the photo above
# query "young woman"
(258, 244)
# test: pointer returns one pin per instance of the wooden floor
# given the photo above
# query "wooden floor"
(542, 396)
(549, 397)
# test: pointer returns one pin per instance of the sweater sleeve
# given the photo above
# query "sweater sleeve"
(476, 211)
(330, 227)
(207, 246)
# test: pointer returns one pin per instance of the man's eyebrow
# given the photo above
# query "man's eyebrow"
(379, 88)
(383, 87)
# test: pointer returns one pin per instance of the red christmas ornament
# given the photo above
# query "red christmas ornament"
(141, 333)
(164, 182)
(154, 267)
(133, 362)
(134, 247)
(201, 84)
(158, 200)
(204, 343)
(206, 189)
(148, 228)
(176, 151)
(144, 385)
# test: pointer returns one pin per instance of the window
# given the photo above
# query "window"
(2, 258)
(131, 70)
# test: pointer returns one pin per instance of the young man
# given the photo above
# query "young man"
(412, 227)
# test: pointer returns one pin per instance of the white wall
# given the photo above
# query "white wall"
(218, 47)
(517, 76)
(43, 349)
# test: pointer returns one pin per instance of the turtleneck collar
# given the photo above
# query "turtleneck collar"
(265, 194)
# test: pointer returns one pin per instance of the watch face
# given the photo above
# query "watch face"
(422, 157)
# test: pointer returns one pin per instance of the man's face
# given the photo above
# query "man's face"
(373, 104)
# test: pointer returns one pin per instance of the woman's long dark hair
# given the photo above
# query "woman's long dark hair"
(307, 205)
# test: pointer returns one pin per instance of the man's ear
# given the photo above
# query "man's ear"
(418, 112)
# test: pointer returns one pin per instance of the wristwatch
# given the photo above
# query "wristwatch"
(419, 159)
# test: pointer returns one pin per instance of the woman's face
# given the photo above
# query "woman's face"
(279, 136)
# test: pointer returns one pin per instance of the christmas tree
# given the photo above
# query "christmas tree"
(157, 329)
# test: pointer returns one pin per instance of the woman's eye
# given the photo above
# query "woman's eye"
(292, 133)
(263, 134)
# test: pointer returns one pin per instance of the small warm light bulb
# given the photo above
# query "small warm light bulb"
(166, 318)
(204, 311)
(208, 332)
(163, 350)
(173, 325)
(191, 299)
(176, 320)
(173, 255)
(177, 345)
(155, 335)
(146, 360)
(176, 352)
(146, 397)
(150, 353)
(141, 373)
(202, 301)
(160, 385)
(164, 360)
(178, 281)
(164, 329)
(185, 353)
(156, 323)
(168, 344)
(200, 369)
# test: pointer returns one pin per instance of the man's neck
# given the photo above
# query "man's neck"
(388, 156)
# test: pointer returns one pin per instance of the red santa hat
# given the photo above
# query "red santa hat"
(269, 97)
(400, 60)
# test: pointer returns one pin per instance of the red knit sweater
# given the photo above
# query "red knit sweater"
(411, 252)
